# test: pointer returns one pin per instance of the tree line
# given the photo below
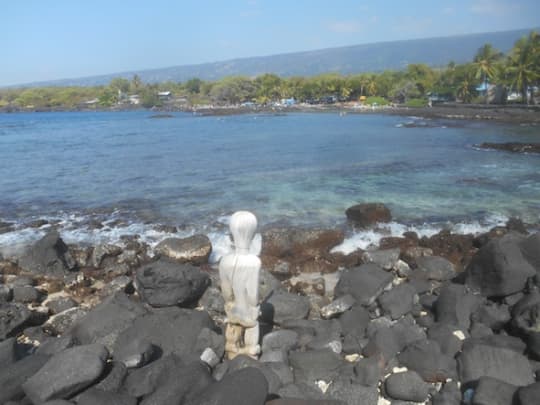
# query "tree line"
(517, 71)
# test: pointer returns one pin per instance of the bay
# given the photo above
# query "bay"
(298, 168)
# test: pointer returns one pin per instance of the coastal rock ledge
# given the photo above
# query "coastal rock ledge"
(401, 324)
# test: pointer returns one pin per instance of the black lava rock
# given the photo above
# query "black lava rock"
(67, 373)
(247, 386)
(182, 385)
(48, 256)
(54, 345)
(499, 268)
(282, 306)
(365, 283)
(450, 394)
(407, 386)
(114, 376)
(7, 352)
(529, 394)
(425, 357)
(456, 305)
(107, 320)
(434, 268)
(14, 318)
(12, 377)
(477, 360)
(26, 294)
(135, 353)
(398, 301)
(368, 371)
(352, 394)
(491, 391)
(60, 304)
(315, 365)
(355, 321)
(165, 283)
(172, 329)
(282, 339)
(95, 396)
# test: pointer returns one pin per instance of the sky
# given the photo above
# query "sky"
(55, 39)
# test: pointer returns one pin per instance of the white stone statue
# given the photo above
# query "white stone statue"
(239, 274)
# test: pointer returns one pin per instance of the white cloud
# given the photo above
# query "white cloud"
(497, 8)
(344, 27)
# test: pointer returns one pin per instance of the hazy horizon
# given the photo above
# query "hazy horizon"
(46, 42)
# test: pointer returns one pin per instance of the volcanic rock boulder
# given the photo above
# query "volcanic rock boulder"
(499, 268)
(181, 385)
(245, 386)
(107, 320)
(398, 301)
(434, 268)
(529, 394)
(531, 250)
(95, 396)
(314, 365)
(365, 283)
(195, 249)
(14, 317)
(67, 373)
(367, 214)
(491, 391)
(426, 358)
(455, 305)
(49, 256)
(282, 305)
(173, 330)
(477, 360)
(13, 376)
(525, 318)
(165, 283)
(407, 386)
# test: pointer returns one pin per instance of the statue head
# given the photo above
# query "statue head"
(243, 225)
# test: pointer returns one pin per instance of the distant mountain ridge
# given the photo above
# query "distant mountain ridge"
(373, 57)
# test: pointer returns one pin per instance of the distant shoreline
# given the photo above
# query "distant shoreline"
(512, 114)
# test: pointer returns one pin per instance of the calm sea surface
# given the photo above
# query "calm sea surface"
(296, 168)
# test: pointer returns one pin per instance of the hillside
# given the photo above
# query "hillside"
(372, 57)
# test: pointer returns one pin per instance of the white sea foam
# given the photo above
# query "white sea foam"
(73, 231)
(13, 243)
(371, 238)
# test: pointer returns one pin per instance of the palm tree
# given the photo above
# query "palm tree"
(485, 64)
(465, 77)
(523, 64)
(371, 85)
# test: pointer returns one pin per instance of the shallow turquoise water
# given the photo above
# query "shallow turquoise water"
(299, 168)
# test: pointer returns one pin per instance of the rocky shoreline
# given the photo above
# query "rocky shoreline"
(441, 320)
(512, 114)
(515, 147)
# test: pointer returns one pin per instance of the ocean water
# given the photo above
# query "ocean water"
(131, 172)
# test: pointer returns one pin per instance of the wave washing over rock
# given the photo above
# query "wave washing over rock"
(125, 312)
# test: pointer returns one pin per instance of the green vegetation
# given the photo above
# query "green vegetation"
(518, 72)
(416, 102)
(375, 100)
